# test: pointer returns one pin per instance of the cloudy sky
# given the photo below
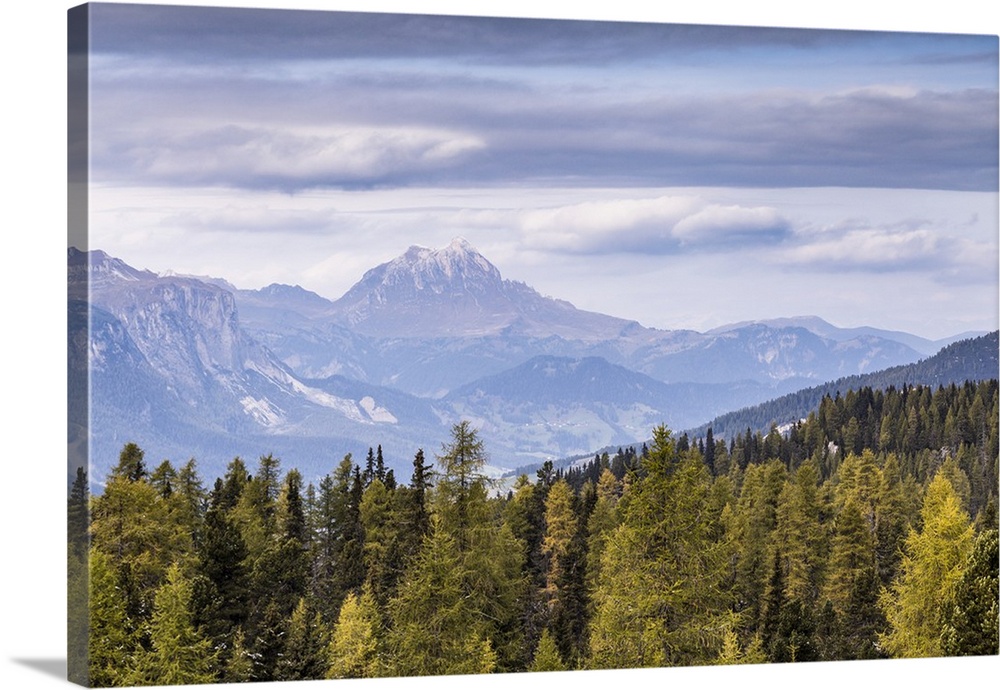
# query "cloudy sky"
(682, 176)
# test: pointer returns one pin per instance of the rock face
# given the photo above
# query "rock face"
(189, 366)
(456, 291)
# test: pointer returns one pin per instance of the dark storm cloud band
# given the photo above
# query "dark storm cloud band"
(287, 100)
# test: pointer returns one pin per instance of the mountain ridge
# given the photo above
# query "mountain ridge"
(198, 367)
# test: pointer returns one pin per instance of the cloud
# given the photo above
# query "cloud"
(290, 157)
(301, 100)
(661, 225)
(908, 245)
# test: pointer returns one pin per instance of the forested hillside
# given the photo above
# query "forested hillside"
(869, 530)
(972, 359)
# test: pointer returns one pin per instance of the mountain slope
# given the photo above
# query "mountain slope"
(973, 359)
(456, 291)
(172, 369)
(557, 406)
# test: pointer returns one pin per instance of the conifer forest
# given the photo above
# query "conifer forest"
(867, 530)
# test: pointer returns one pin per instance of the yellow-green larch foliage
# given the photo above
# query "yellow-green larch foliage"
(733, 653)
(560, 526)
(934, 560)
(749, 535)
(601, 523)
(112, 640)
(547, 656)
(659, 601)
(354, 645)
(800, 536)
(180, 654)
(464, 588)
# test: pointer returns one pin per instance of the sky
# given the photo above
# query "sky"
(683, 176)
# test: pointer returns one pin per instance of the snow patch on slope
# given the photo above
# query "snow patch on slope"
(376, 413)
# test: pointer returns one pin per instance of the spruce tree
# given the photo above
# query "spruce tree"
(306, 653)
(970, 617)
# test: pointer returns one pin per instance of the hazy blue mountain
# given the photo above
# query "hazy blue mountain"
(556, 406)
(972, 359)
(173, 370)
(431, 321)
(818, 326)
(190, 366)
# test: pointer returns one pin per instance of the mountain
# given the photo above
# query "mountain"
(972, 359)
(818, 326)
(557, 406)
(172, 368)
(456, 291)
(430, 321)
(188, 366)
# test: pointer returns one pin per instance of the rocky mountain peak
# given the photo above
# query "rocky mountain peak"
(456, 267)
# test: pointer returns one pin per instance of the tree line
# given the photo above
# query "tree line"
(821, 543)
(974, 359)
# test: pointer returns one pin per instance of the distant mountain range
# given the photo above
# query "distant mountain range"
(972, 359)
(188, 366)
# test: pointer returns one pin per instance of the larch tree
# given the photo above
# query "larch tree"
(931, 568)
(560, 528)
(660, 600)
(180, 653)
(461, 595)
(354, 650)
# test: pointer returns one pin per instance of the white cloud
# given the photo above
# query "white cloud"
(873, 248)
(717, 222)
(304, 156)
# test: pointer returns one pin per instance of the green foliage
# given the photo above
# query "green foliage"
(547, 656)
(848, 537)
(306, 652)
(560, 528)
(970, 617)
(179, 653)
(933, 565)
(660, 595)
(113, 639)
